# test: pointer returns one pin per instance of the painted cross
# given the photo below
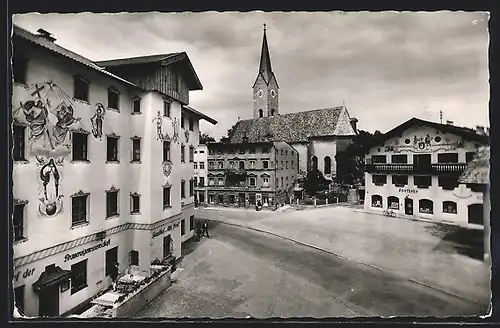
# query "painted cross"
(37, 91)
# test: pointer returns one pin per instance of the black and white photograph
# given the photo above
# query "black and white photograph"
(250, 165)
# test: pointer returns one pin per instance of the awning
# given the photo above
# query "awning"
(51, 276)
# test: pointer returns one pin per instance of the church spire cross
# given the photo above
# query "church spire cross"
(265, 27)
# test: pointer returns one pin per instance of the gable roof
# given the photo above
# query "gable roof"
(200, 114)
(178, 58)
(51, 46)
(290, 128)
(466, 133)
(478, 170)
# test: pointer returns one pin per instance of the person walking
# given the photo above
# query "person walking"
(114, 274)
(205, 229)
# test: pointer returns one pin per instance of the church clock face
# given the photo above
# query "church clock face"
(260, 93)
(273, 93)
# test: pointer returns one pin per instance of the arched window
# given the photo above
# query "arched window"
(475, 214)
(314, 163)
(377, 201)
(261, 113)
(449, 207)
(425, 206)
(328, 165)
(393, 202)
(272, 112)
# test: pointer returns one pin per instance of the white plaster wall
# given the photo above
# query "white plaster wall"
(321, 149)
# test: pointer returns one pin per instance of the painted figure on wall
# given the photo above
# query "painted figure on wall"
(186, 134)
(65, 118)
(50, 177)
(36, 114)
(97, 121)
(175, 137)
(159, 125)
(167, 168)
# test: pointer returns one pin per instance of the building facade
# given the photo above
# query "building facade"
(101, 171)
(415, 173)
(242, 175)
(200, 173)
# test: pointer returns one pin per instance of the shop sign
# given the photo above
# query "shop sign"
(26, 274)
(158, 233)
(408, 191)
(86, 251)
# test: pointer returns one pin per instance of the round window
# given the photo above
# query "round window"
(437, 139)
(407, 141)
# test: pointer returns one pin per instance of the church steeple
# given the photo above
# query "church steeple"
(265, 88)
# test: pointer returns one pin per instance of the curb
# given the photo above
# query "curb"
(349, 259)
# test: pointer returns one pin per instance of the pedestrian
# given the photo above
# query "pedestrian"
(114, 274)
(205, 229)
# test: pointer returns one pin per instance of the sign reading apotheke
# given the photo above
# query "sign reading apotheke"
(408, 191)
(86, 251)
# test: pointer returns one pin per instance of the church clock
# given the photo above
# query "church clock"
(273, 93)
(260, 93)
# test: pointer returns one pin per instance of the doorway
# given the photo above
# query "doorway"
(167, 246)
(111, 258)
(241, 200)
(408, 206)
(49, 301)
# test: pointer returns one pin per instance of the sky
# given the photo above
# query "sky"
(386, 67)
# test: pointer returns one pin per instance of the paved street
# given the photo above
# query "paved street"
(239, 273)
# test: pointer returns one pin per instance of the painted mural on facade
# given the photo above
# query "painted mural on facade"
(186, 134)
(167, 168)
(97, 121)
(422, 143)
(160, 134)
(175, 125)
(49, 175)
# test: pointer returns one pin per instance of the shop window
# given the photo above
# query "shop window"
(399, 159)
(111, 203)
(220, 199)
(183, 154)
(136, 150)
(400, 180)
(80, 146)
(183, 227)
(79, 210)
(19, 297)
(81, 87)
(112, 149)
(111, 257)
(449, 207)
(232, 199)
(133, 257)
(113, 99)
(166, 108)
(18, 222)
(183, 189)
(425, 206)
(393, 202)
(251, 199)
(380, 159)
(135, 202)
(136, 105)
(191, 222)
(166, 196)
(422, 181)
(377, 201)
(448, 158)
(18, 152)
(379, 180)
(78, 276)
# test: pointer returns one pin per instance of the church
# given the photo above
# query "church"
(317, 135)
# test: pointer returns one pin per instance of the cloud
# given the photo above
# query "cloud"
(387, 67)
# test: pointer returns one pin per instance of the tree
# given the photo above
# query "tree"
(315, 182)
(205, 138)
(351, 162)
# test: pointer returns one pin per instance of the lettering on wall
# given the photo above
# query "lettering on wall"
(408, 191)
(27, 273)
(83, 252)
(158, 233)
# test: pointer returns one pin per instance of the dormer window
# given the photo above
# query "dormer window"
(81, 88)
(113, 99)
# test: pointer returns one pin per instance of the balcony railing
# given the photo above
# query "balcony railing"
(435, 168)
(243, 187)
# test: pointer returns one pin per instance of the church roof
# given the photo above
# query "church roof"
(291, 127)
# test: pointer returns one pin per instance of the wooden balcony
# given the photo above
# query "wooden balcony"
(428, 169)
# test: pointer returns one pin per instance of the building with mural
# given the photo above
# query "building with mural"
(317, 135)
(102, 168)
(200, 173)
(415, 173)
(242, 175)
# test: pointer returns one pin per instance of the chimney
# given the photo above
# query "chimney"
(354, 124)
(480, 129)
(45, 35)
(449, 122)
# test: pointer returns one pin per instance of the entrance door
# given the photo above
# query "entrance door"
(408, 206)
(49, 301)
(111, 259)
(167, 244)
(202, 197)
(475, 214)
(241, 200)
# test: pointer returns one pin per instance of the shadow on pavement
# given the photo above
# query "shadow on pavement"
(459, 240)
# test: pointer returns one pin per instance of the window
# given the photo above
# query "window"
(252, 181)
(377, 201)
(111, 257)
(286, 152)
(220, 199)
(166, 196)
(293, 164)
(18, 153)
(314, 162)
(211, 181)
(19, 68)
(202, 166)
(183, 154)
(19, 297)
(202, 152)
(286, 179)
(399, 159)
(448, 182)
(449, 207)
(191, 187)
(191, 154)
(422, 181)
(265, 164)
(220, 181)
(135, 204)
(265, 181)
(195, 165)
(425, 206)
(166, 108)
(136, 105)
(265, 150)
(286, 165)
(202, 182)
(81, 89)
(469, 156)
(183, 227)
(183, 189)
(166, 151)
(80, 146)
(281, 152)
(282, 165)
(211, 165)
(252, 164)
(261, 113)
(448, 158)
(393, 202)
(379, 180)
(191, 124)
(78, 210)
(400, 180)
(195, 180)
(18, 222)
(112, 149)
(78, 276)
(191, 222)
(379, 159)
(422, 160)
(242, 165)
(111, 203)
(167, 246)
(252, 150)
(113, 99)
(133, 257)
(282, 181)
(328, 165)
(220, 165)
(276, 183)
(210, 152)
(136, 150)
(182, 120)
